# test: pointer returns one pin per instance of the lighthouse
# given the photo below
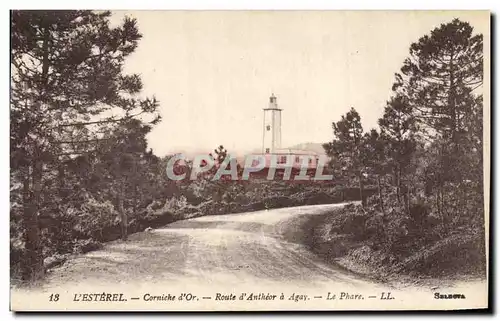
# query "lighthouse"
(271, 137)
(275, 156)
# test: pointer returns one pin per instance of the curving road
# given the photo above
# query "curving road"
(254, 247)
(263, 247)
(253, 252)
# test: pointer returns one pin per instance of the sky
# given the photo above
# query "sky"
(213, 71)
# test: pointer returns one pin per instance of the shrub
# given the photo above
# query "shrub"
(93, 216)
(175, 205)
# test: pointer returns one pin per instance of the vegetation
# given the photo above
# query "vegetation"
(425, 158)
(70, 98)
(82, 173)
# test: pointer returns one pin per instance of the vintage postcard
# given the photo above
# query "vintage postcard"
(249, 160)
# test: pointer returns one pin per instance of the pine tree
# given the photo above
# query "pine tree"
(398, 128)
(219, 185)
(440, 79)
(67, 89)
(346, 148)
(221, 154)
(122, 154)
(374, 152)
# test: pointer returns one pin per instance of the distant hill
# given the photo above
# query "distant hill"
(315, 147)
(240, 155)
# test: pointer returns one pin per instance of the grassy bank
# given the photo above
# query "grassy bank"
(342, 237)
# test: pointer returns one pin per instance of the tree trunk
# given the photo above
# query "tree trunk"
(437, 203)
(381, 201)
(441, 209)
(408, 198)
(121, 211)
(33, 261)
(363, 201)
(398, 183)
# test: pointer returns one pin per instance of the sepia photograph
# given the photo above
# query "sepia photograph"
(249, 160)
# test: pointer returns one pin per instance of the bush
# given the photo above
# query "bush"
(93, 216)
(174, 205)
(17, 253)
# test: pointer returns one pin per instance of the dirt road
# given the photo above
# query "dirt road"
(259, 252)
(252, 247)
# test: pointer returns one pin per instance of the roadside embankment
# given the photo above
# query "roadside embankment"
(342, 237)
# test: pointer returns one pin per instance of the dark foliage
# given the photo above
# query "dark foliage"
(426, 161)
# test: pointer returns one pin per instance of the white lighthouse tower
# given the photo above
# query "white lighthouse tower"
(271, 138)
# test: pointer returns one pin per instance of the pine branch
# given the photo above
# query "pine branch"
(110, 120)
(95, 140)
